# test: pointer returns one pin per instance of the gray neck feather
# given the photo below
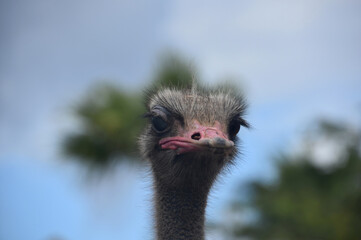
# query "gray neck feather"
(180, 212)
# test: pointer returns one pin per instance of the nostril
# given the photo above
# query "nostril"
(196, 136)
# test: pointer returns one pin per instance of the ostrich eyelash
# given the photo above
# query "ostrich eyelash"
(244, 123)
(175, 115)
(241, 121)
(147, 115)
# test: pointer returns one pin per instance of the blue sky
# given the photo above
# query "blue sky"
(297, 60)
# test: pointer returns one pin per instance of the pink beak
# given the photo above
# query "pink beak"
(197, 139)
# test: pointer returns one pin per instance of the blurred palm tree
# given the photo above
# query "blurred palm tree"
(110, 121)
(311, 199)
(175, 72)
(111, 117)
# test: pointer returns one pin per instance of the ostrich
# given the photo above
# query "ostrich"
(189, 139)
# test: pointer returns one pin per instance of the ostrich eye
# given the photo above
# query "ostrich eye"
(234, 127)
(160, 119)
(159, 124)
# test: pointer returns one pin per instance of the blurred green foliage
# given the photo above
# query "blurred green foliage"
(111, 117)
(174, 72)
(110, 122)
(309, 201)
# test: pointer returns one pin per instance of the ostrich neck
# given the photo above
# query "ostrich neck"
(180, 212)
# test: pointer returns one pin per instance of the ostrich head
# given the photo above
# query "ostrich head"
(191, 135)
